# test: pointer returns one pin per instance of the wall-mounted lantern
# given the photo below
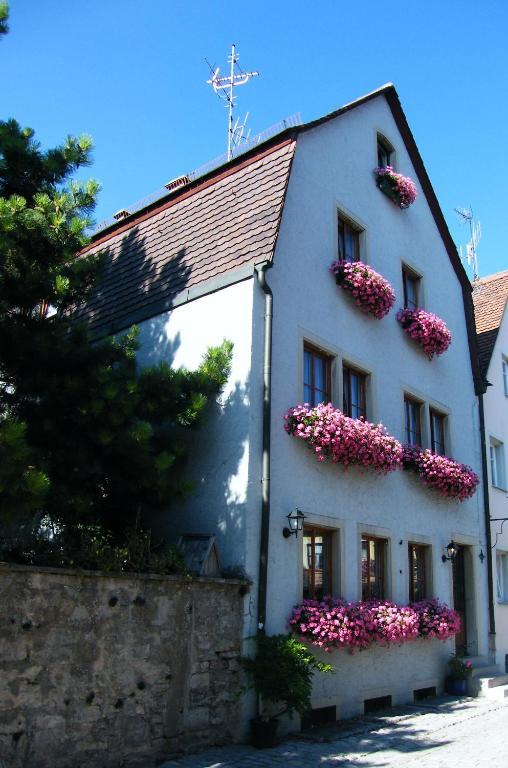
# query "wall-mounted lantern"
(451, 552)
(295, 524)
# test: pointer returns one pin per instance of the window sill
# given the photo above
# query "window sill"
(502, 602)
(499, 488)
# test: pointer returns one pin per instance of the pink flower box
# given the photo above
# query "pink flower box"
(332, 435)
(428, 330)
(400, 189)
(334, 623)
(451, 479)
(371, 292)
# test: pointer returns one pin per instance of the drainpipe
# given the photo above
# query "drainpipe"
(265, 471)
(486, 506)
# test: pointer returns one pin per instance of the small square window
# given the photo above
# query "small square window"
(385, 152)
(373, 568)
(497, 464)
(354, 392)
(412, 417)
(411, 285)
(437, 432)
(349, 240)
(317, 563)
(417, 554)
(505, 376)
(502, 576)
(316, 376)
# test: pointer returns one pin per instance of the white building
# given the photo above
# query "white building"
(490, 295)
(195, 266)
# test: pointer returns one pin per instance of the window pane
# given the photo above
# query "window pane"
(319, 373)
(317, 575)
(417, 585)
(373, 568)
(437, 432)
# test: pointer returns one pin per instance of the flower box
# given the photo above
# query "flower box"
(400, 189)
(427, 329)
(370, 291)
(335, 623)
(332, 435)
(451, 479)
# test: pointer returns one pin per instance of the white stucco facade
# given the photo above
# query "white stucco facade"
(496, 434)
(332, 173)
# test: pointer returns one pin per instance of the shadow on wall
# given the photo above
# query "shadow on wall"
(134, 284)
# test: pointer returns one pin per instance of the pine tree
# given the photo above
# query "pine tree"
(86, 438)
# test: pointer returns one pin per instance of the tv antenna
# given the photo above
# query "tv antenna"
(475, 231)
(224, 87)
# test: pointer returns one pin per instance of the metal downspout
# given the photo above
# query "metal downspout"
(265, 470)
(486, 506)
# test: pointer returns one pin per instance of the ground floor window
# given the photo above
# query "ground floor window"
(373, 567)
(502, 576)
(417, 572)
(317, 563)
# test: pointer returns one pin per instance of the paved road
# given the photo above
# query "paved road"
(467, 733)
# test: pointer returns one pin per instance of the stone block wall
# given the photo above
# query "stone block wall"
(102, 670)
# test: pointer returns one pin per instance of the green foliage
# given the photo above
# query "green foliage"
(282, 671)
(4, 15)
(99, 443)
(460, 669)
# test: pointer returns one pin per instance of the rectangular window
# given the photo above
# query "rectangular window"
(373, 567)
(317, 563)
(411, 286)
(417, 572)
(354, 387)
(349, 241)
(502, 576)
(316, 376)
(412, 415)
(384, 152)
(437, 432)
(505, 376)
(497, 464)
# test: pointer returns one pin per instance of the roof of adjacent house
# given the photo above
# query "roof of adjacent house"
(490, 295)
(220, 224)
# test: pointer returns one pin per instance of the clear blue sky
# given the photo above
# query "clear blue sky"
(133, 75)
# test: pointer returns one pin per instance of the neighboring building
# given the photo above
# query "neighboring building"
(191, 269)
(490, 296)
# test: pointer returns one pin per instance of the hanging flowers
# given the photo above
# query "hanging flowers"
(426, 329)
(334, 436)
(400, 189)
(335, 623)
(371, 292)
(451, 479)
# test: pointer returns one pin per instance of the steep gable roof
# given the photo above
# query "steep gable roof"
(218, 225)
(490, 296)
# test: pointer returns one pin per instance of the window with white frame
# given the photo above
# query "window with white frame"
(502, 576)
(505, 376)
(497, 464)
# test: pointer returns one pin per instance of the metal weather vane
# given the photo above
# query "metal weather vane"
(224, 87)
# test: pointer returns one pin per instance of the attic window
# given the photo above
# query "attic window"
(121, 214)
(385, 152)
(180, 181)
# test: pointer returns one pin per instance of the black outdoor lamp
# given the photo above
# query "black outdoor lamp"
(451, 552)
(295, 521)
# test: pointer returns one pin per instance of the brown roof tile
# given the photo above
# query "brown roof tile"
(490, 295)
(214, 227)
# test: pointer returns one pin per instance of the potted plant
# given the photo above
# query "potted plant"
(281, 675)
(371, 292)
(427, 329)
(400, 189)
(459, 672)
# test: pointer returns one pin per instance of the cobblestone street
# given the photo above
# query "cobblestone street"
(470, 733)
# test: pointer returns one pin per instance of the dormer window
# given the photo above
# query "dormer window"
(385, 152)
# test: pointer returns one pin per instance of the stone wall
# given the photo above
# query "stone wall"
(108, 670)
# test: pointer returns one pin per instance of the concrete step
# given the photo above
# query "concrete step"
(497, 680)
(495, 687)
(486, 670)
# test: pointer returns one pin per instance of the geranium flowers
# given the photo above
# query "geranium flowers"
(371, 292)
(332, 435)
(427, 329)
(400, 189)
(448, 477)
(335, 623)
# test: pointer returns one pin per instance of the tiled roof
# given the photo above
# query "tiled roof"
(217, 225)
(489, 296)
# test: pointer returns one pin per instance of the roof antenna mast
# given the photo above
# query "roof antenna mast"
(475, 231)
(224, 87)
